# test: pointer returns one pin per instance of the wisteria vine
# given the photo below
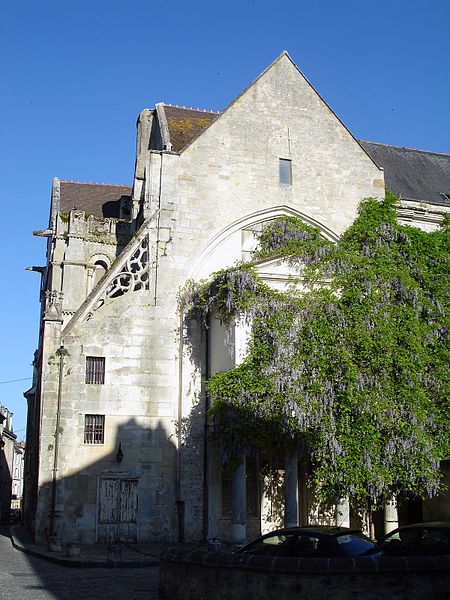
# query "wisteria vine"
(354, 372)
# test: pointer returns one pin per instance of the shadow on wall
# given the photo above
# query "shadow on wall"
(127, 495)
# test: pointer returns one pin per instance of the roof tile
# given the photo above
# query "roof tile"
(98, 199)
(186, 124)
(413, 174)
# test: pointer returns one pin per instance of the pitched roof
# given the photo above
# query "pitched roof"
(98, 199)
(413, 174)
(186, 124)
(409, 173)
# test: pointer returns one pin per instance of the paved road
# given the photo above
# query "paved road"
(24, 577)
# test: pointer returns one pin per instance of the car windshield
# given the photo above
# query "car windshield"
(354, 544)
(401, 538)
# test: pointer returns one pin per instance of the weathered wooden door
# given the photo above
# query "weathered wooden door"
(117, 510)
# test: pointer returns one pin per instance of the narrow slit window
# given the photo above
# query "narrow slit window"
(94, 429)
(285, 171)
(95, 369)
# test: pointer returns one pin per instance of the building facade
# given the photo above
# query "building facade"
(17, 477)
(7, 443)
(117, 441)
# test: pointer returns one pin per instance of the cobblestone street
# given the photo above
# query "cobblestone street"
(24, 577)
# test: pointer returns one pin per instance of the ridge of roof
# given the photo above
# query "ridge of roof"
(283, 54)
(252, 83)
(208, 110)
(409, 148)
(220, 113)
(95, 183)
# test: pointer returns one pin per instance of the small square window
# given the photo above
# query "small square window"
(285, 171)
(95, 369)
(94, 429)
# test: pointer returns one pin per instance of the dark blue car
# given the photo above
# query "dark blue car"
(312, 542)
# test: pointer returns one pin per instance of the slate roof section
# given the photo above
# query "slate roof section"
(98, 199)
(413, 174)
(186, 124)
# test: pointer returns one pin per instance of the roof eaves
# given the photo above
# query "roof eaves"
(120, 185)
(406, 148)
(425, 201)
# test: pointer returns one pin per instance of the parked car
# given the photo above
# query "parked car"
(417, 539)
(312, 542)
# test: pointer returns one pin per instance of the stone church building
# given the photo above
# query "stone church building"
(117, 443)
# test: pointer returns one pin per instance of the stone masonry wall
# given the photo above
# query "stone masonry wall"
(152, 377)
(231, 172)
(201, 575)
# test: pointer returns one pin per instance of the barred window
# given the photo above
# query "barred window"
(94, 429)
(95, 369)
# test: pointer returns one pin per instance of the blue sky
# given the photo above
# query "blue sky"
(75, 74)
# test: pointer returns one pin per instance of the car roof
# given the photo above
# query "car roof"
(320, 529)
(430, 524)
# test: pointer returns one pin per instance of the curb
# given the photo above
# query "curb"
(80, 563)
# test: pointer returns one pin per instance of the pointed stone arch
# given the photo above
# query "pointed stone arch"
(225, 248)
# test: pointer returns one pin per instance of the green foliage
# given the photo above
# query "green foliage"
(289, 236)
(355, 371)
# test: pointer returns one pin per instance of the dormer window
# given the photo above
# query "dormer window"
(285, 171)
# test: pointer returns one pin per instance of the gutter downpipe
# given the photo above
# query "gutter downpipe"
(179, 501)
(205, 439)
(62, 352)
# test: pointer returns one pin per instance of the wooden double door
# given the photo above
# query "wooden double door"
(118, 503)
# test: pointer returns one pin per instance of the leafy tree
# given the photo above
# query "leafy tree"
(355, 370)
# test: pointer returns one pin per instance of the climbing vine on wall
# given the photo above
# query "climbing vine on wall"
(353, 372)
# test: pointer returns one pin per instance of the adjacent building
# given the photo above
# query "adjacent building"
(17, 477)
(7, 443)
(117, 443)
